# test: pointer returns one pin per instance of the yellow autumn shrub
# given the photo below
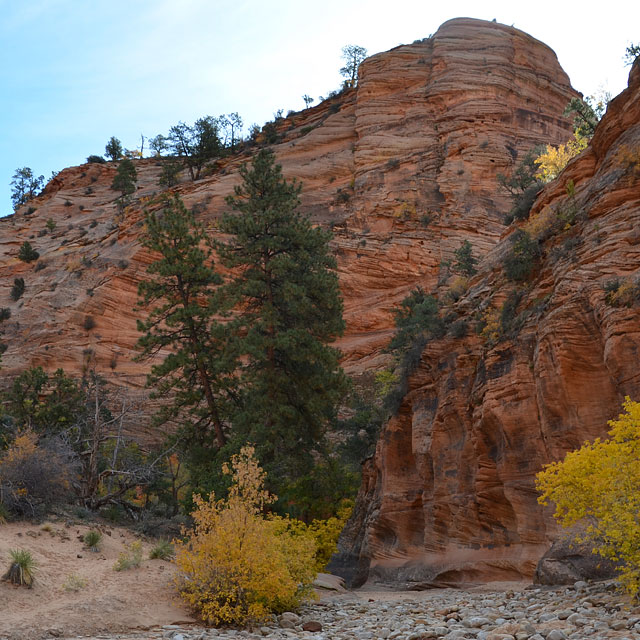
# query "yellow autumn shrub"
(324, 533)
(599, 484)
(555, 159)
(492, 327)
(237, 565)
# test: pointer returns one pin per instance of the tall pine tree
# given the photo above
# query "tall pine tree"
(185, 301)
(290, 309)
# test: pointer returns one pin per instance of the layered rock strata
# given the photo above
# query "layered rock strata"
(449, 493)
(402, 169)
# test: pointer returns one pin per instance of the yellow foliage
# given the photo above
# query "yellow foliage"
(600, 484)
(323, 533)
(625, 294)
(23, 447)
(541, 224)
(492, 326)
(458, 288)
(130, 558)
(629, 158)
(555, 159)
(385, 381)
(238, 566)
(406, 211)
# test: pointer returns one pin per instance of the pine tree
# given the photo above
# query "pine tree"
(125, 178)
(113, 150)
(290, 309)
(185, 299)
(465, 263)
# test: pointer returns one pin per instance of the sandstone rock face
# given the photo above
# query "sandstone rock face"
(403, 169)
(449, 493)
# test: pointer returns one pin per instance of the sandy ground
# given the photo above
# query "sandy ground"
(111, 601)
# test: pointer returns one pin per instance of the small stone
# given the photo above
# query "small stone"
(312, 625)
(618, 625)
(556, 634)
(287, 624)
(291, 617)
(581, 585)
(475, 622)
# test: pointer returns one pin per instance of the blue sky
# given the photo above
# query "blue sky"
(75, 72)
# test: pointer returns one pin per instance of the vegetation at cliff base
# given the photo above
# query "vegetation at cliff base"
(238, 565)
(599, 484)
(290, 380)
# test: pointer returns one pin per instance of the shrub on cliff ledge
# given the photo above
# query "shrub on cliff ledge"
(238, 566)
(600, 484)
(521, 260)
(523, 185)
(27, 253)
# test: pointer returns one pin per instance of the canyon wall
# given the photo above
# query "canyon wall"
(402, 169)
(449, 494)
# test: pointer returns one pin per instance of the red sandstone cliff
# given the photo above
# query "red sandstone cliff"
(449, 493)
(425, 133)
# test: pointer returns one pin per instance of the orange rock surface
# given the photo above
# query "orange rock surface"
(424, 134)
(403, 170)
(449, 493)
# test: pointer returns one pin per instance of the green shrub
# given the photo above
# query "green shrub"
(163, 550)
(465, 262)
(27, 253)
(21, 568)
(92, 539)
(5, 314)
(417, 316)
(522, 259)
(169, 176)
(459, 329)
(342, 196)
(89, 323)
(17, 289)
(508, 319)
(93, 159)
(426, 219)
(523, 185)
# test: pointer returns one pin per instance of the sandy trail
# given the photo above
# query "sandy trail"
(111, 601)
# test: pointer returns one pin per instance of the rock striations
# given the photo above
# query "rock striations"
(402, 169)
(449, 493)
